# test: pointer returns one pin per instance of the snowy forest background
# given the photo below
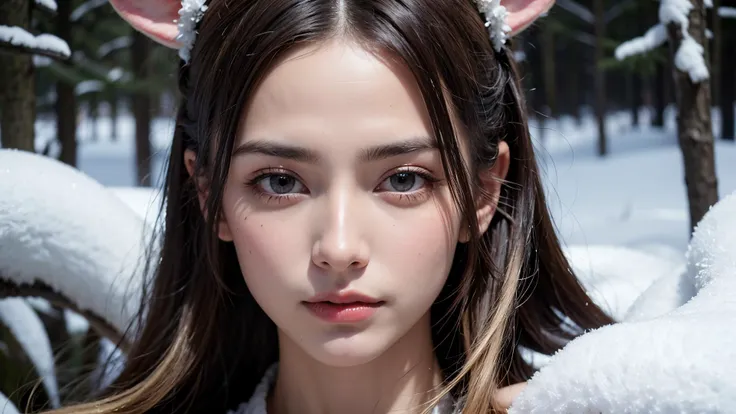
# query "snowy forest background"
(605, 82)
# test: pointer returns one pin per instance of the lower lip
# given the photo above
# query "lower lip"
(343, 312)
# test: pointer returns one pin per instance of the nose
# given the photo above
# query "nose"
(340, 245)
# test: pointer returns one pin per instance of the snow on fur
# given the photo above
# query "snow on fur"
(678, 360)
(17, 36)
(27, 328)
(64, 229)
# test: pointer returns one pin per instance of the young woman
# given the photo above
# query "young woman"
(354, 219)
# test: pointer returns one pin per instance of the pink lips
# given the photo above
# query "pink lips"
(347, 307)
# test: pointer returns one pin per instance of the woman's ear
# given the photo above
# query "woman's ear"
(522, 13)
(190, 162)
(492, 181)
(156, 19)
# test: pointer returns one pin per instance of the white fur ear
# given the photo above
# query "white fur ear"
(523, 13)
(154, 18)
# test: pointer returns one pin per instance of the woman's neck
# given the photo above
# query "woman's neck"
(401, 380)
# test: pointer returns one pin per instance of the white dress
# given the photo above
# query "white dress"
(257, 402)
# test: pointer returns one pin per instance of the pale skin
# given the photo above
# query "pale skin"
(336, 186)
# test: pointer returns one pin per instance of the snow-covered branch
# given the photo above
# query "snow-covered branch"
(44, 44)
(85, 8)
(118, 43)
(65, 254)
(689, 56)
(28, 330)
(727, 12)
(7, 407)
(47, 5)
(654, 38)
(8, 289)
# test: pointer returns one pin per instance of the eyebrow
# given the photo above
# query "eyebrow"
(306, 155)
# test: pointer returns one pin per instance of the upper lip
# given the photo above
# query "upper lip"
(343, 297)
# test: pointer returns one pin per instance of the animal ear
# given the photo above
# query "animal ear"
(154, 18)
(523, 13)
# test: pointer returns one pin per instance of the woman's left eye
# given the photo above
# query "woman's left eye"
(403, 182)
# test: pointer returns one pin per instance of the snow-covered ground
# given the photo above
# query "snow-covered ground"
(634, 197)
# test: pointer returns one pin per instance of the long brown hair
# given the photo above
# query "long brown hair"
(205, 343)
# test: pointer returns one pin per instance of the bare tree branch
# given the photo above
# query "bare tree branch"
(42, 290)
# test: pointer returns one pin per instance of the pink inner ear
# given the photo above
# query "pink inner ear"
(154, 18)
(522, 13)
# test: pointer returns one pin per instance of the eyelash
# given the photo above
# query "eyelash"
(253, 185)
(429, 179)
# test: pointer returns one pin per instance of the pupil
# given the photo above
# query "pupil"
(282, 184)
(403, 181)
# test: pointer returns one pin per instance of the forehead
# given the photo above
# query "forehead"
(336, 95)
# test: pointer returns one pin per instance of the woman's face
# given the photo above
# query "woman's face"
(337, 203)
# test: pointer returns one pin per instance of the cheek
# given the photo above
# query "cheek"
(419, 248)
(268, 259)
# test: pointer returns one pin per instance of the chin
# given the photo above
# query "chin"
(348, 350)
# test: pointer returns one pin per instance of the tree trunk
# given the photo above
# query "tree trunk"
(716, 53)
(600, 77)
(114, 118)
(142, 109)
(94, 115)
(660, 99)
(548, 56)
(728, 91)
(695, 133)
(17, 94)
(636, 98)
(66, 101)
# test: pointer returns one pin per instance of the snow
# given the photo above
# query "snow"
(17, 36)
(7, 407)
(69, 247)
(41, 61)
(689, 57)
(49, 4)
(654, 38)
(615, 276)
(118, 43)
(727, 12)
(88, 86)
(27, 328)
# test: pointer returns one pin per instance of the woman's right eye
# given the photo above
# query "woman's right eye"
(277, 185)
(280, 184)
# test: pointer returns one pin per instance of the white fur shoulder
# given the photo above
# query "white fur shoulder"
(674, 352)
